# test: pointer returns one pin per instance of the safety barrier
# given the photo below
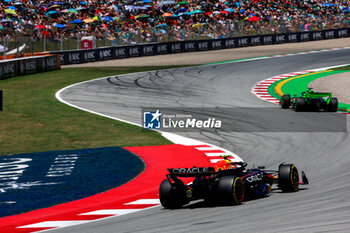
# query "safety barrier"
(119, 52)
(21, 66)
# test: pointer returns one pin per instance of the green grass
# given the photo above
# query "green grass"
(33, 120)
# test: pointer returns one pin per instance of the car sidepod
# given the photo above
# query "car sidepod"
(256, 184)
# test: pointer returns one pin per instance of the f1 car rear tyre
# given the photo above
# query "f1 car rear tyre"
(285, 101)
(288, 178)
(230, 190)
(333, 105)
(299, 104)
(171, 197)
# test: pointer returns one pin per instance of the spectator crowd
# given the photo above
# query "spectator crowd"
(138, 21)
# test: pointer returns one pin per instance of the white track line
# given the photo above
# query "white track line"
(56, 224)
(144, 202)
(111, 212)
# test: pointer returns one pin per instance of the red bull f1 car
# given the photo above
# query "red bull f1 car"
(227, 183)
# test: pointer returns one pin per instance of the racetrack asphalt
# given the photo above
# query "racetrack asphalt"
(323, 206)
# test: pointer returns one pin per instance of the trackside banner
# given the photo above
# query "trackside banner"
(39, 180)
(119, 52)
(21, 66)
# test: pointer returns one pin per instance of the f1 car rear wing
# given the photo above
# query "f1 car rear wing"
(192, 172)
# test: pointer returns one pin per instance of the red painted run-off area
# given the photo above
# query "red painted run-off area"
(145, 185)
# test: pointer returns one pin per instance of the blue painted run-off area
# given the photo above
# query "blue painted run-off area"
(38, 180)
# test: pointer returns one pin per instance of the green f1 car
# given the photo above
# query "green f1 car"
(310, 101)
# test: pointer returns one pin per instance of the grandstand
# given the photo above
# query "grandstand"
(59, 25)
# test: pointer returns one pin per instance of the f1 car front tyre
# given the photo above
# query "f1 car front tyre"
(333, 105)
(171, 197)
(288, 178)
(299, 104)
(285, 101)
(230, 190)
